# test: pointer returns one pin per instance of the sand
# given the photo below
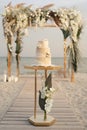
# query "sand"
(76, 94)
(8, 92)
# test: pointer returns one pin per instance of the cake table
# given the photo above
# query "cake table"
(37, 120)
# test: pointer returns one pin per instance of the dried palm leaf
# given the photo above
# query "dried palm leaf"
(11, 23)
(74, 56)
(9, 4)
(30, 6)
(55, 18)
(19, 5)
(47, 6)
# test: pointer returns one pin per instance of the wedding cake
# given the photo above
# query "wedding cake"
(43, 53)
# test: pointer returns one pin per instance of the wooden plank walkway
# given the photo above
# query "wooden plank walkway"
(16, 118)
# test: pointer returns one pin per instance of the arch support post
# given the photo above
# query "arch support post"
(9, 57)
(72, 75)
(18, 67)
(65, 58)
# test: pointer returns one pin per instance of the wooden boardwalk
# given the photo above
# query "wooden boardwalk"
(16, 118)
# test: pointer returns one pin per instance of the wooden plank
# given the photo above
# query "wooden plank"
(24, 122)
(29, 127)
(26, 118)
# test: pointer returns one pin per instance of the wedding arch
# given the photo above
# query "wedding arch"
(19, 17)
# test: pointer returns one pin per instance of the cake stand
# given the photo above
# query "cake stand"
(38, 120)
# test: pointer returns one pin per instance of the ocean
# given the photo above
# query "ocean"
(32, 60)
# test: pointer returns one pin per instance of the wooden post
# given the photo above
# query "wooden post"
(45, 113)
(18, 69)
(72, 75)
(64, 58)
(18, 49)
(9, 63)
(35, 94)
(45, 74)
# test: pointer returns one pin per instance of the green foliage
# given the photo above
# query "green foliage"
(79, 32)
(48, 84)
(74, 56)
(41, 102)
(18, 48)
(19, 41)
(66, 33)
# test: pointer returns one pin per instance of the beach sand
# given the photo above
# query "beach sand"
(76, 94)
(8, 92)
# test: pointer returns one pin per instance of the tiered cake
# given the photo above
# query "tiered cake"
(43, 53)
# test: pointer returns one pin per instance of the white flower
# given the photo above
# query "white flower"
(43, 92)
(49, 101)
(52, 90)
(48, 105)
(47, 95)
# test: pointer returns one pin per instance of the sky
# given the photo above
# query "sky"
(53, 35)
